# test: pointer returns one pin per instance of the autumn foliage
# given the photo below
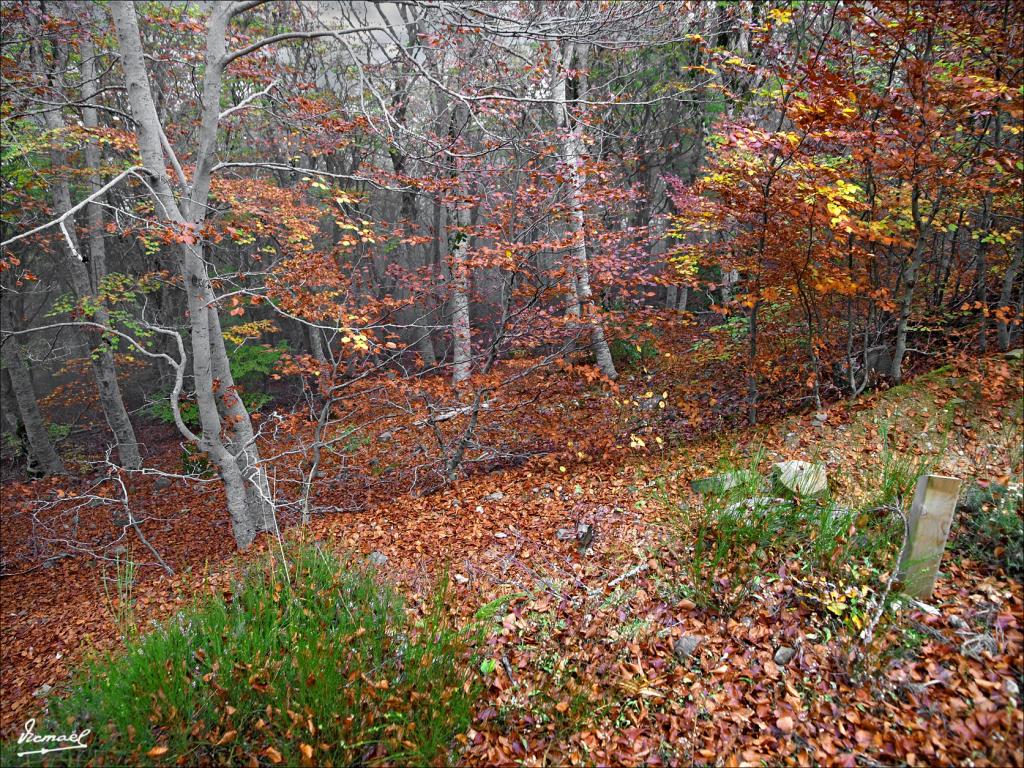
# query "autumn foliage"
(528, 301)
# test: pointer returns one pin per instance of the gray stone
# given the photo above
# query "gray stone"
(1011, 688)
(42, 690)
(784, 655)
(162, 483)
(686, 645)
(758, 505)
(723, 482)
(384, 436)
(496, 496)
(565, 534)
(377, 558)
(801, 477)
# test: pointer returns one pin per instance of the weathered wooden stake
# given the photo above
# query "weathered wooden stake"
(931, 515)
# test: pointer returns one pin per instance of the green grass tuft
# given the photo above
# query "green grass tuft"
(313, 656)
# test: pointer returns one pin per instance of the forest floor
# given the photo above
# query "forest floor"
(587, 661)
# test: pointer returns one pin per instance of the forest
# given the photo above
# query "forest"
(512, 382)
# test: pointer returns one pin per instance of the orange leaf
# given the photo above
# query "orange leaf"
(157, 752)
(228, 736)
(272, 755)
(785, 724)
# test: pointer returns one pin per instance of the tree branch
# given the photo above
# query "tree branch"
(59, 221)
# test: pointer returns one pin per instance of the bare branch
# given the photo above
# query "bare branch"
(59, 221)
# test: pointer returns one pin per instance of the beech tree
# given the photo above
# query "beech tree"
(413, 205)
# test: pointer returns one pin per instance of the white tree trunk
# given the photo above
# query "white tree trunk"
(458, 238)
(572, 157)
(227, 433)
(462, 353)
(906, 302)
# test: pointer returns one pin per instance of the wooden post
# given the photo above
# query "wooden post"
(931, 515)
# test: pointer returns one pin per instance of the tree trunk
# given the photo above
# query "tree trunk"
(229, 440)
(684, 297)
(316, 343)
(981, 270)
(572, 157)
(910, 281)
(752, 393)
(1003, 326)
(40, 445)
(424, 339)
(729, 279)
(462, 353)
(458, 238)
(85, 285)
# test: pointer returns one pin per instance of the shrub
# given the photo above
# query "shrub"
(196, 463)
(632, 352)
(251, 364)
(313, 661)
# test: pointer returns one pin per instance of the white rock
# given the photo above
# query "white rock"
(802, 477)
(784, 655)
(1011, 688)
(686, 645)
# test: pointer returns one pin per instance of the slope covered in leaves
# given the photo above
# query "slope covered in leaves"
(610, 652)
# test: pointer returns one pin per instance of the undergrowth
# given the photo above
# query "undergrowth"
(749, 525)
(990, 527)
(309, 661)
